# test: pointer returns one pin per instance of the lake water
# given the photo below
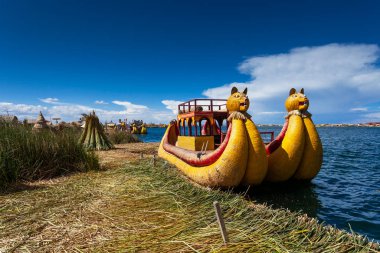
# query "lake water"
(346, 191)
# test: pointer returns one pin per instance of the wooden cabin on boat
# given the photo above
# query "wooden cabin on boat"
(200, 124)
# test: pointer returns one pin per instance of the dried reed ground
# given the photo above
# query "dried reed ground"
(134, 207)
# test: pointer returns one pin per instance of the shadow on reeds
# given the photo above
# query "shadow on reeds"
(19, 187)
(293, 195)
(251, 227)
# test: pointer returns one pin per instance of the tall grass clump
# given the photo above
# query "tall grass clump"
(30, 155)
(121, 137)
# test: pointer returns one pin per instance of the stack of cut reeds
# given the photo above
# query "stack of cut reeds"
(93, 136)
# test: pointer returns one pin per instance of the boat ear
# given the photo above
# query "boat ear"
(292, 91)
(302, 91)
(245, 91)
(234, 90)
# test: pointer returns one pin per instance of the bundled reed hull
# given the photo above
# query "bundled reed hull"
(297, 151)
(312, 155)
(257, 164)
(223, 167)
(284, 161)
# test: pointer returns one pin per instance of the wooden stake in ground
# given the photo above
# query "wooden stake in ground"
(93, 136)
(154, 160)
(222, 226)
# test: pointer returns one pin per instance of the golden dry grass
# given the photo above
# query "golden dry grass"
(135, 207)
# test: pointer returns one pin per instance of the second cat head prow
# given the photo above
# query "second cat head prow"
(297, 101)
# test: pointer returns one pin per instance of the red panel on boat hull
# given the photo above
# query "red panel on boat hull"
(197, 158)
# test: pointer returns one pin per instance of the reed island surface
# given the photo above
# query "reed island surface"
(140, 204)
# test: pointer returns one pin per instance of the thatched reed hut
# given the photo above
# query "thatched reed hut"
(9, 119)
(41, 123)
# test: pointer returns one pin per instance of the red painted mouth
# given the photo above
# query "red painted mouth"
(303, 102)
(244, 103)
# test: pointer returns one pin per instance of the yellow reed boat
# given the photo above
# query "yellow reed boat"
(196, 144)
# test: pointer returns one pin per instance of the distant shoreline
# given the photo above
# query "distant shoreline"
(349, 125)
(375, 124)
(317, 125)
(14, 120)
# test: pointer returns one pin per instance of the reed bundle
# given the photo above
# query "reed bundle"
(93, 136)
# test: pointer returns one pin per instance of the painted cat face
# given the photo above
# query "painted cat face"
(238, 101)
(296, 101)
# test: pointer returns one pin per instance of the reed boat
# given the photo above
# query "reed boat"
(296, 153)
(138, 127)
(215, 143)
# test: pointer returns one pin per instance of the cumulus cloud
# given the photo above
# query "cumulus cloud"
(132, 108)
(372, 117)
(20, 109)
(50, 100)
(359, 109)
(335, 77)
(171, 105)
(101, 102)
(72, 112)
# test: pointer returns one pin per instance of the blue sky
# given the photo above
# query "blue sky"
(138, 58)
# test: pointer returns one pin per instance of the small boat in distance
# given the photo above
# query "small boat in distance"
(138, 127)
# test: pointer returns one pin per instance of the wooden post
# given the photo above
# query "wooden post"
(154, 160)
(141, 155)
(219, 217)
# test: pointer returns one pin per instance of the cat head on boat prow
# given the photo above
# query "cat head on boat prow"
(297, 101)
(238, 101)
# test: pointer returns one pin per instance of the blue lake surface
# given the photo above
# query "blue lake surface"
(346, 192)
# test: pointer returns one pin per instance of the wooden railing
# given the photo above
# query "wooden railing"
(271, 136)
(202, 104)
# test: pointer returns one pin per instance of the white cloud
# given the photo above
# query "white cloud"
(20, 109)
(335, 77)
(372, 117)
(132, 108)
(161, 116)
(50, 100)
(359, 109)
(101, 102)
(172, 105)
(72, 112)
